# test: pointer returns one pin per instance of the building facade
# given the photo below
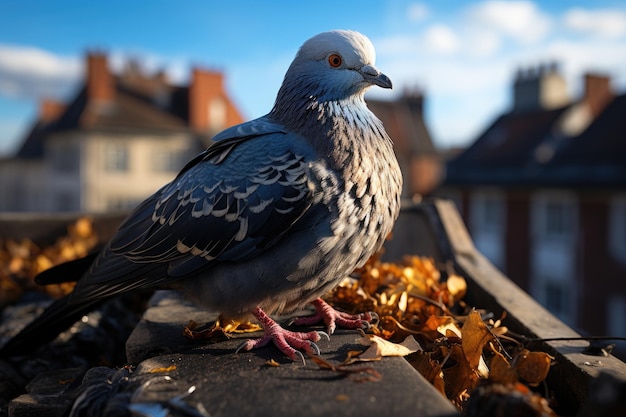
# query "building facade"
(543, 192)
(119, 139)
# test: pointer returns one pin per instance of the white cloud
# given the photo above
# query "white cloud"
(520, 20)
(441, 39)
(604, 23)
(28, 72)
(481, 43)
(417, 12)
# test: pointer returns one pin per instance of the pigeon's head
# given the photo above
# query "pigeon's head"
(333, 66)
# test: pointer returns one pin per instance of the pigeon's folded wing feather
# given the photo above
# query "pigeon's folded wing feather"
(213, 211)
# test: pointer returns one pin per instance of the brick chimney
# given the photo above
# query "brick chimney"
(539, 88)
(414, 98)
(100, 82)
(598, 92)
(50, 110)
(206, 90)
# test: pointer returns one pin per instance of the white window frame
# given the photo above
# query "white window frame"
(111, 161)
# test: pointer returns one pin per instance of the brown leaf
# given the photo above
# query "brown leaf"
(379, 347)
(533, 367)
(500, 370)
(357, 374)
(475, 335)
(429, 368)
(460, 378)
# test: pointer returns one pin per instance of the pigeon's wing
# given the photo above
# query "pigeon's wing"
(231, 203)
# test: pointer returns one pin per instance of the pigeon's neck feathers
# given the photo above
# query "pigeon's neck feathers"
(325, 103)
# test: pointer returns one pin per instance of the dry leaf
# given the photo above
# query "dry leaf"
(379, 347)
(272, 363)
(500, 370)
(429, 368)
(533, 367)
(475, 335)
(460, 378)
(360, 374)
(456, 286)
(163, 369)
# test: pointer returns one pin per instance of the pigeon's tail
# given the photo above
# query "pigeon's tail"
(56, 318)
(59, 316)
(70, 271)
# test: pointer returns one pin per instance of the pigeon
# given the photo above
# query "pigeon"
(271, 216)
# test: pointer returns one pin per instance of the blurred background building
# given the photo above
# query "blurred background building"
(543, 192)
(119, 139)
(123, 136)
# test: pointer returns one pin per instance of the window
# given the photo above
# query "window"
(616, 316)
(168, 160)
(122, 203)
(487, 224)
(116, 158)
(617, 228)
(558, 218)
(66, 201)
(557, 296)
(65, 157)
(487, 212)
(554, 216)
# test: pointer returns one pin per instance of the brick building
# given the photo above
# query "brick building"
(543, 192)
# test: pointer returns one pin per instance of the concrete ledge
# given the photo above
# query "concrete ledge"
(243, 384)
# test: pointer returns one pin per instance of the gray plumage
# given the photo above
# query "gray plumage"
(278, 210)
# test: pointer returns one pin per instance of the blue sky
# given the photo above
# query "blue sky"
(463, 54)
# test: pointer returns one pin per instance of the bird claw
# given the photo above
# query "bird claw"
(301, 357)
(331, 317)
(286, 341)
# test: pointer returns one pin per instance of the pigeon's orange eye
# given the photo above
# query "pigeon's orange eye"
(335, 60)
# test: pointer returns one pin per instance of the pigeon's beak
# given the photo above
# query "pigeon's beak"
(373, 76)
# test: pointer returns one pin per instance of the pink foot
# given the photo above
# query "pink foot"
(285, 340)
(333, 318)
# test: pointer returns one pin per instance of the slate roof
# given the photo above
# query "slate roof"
(525, 149)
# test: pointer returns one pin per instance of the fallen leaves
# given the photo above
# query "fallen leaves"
(163, 370)
(379, 347)
(221, 329)
(423, 317)
(22, 260)
(357, 374)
